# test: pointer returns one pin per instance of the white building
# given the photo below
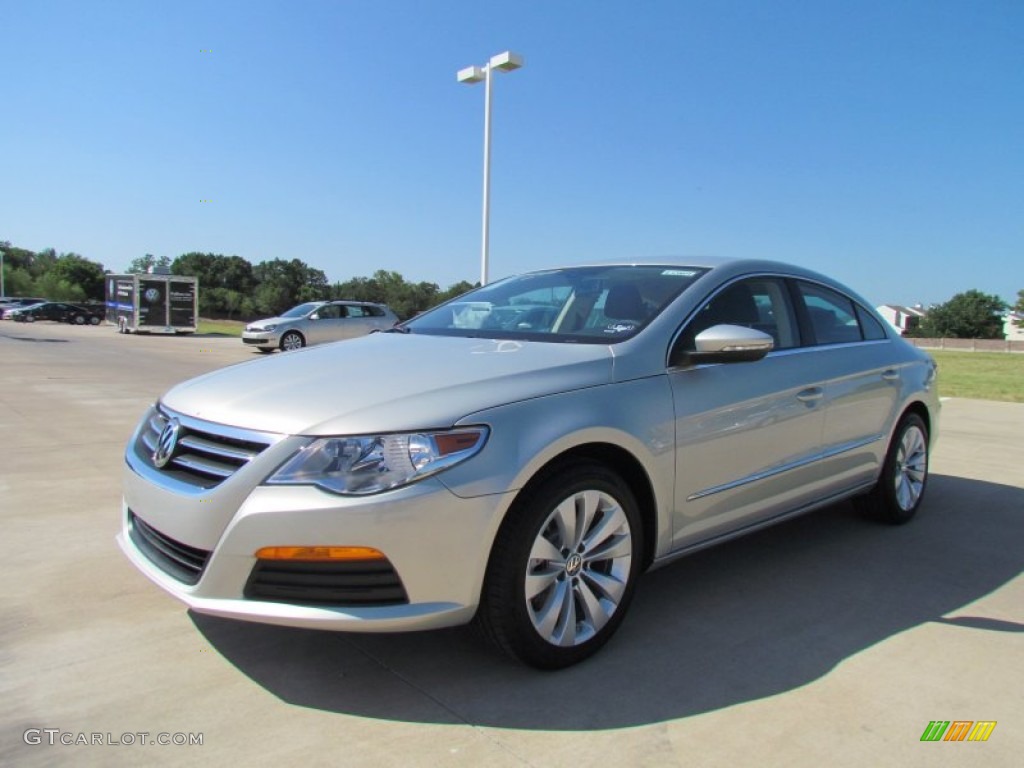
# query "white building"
(901, 318)
(1011, 329)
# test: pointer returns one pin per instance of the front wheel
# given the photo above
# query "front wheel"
(291, 341)
(900, 488)
(79, 320)
(564, 567)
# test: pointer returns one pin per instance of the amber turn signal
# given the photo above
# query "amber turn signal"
(319, 553)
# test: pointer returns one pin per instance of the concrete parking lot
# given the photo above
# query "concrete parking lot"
(827, 640)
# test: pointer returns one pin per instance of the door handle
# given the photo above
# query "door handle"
(891, 374)
(810, 395)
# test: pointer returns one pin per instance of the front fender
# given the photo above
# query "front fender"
(636, 416)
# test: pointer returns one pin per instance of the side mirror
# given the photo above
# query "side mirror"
(726, 344)
(315, 316)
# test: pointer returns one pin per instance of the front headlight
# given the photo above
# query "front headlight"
(357, 466)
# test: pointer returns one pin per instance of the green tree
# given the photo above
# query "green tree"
(79, 272)
(282, 284)
(18, 281)
(968, 315)
(225, 282)
(56, 288)
(457, 289)
(142, 264)
(1019, 308)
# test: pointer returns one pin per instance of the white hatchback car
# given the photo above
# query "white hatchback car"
(519, 456)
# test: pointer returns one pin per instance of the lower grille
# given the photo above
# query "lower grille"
(179, 560)
(363, 583)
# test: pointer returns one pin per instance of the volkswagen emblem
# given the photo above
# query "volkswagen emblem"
(166, 444)
(573, 565)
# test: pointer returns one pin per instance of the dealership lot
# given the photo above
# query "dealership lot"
(826, 640)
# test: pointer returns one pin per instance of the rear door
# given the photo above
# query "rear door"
(862, 385)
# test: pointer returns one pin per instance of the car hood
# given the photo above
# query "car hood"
(273, 321)
(387, 382)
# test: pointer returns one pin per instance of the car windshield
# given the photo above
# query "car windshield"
(596, 305)
(302, 310)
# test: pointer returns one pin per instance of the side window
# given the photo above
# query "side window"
(832, 315)
(371, 311)
(761, 303)
(329, 312)
(354, 311)
(869, 326)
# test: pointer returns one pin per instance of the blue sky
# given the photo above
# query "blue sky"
(879, 142)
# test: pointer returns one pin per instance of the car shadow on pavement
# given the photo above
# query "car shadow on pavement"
(748, 619)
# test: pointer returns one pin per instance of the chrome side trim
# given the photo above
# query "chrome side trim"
(763, 475)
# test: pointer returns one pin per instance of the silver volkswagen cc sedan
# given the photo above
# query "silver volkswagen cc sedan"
(519, 456)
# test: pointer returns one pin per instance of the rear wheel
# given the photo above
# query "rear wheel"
(94, 320)
(79, 320)
(900, 488)
(564, 567)
(291, 341)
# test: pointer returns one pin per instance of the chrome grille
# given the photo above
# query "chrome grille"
(205, 455)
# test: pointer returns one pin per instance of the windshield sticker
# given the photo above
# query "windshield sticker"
(620, 328)
(679, 272)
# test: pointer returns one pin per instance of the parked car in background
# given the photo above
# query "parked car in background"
(57, 311)
(524, 472)
(316, 322)
(12, 303)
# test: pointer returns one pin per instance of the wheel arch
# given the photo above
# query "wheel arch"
(623, 463)
(297, 332)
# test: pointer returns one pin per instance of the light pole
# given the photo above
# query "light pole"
(503, 62)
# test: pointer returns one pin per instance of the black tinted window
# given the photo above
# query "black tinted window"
(760, 303)
(832, 316)
(869, 326)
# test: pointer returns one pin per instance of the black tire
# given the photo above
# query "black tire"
(291, 341)
(78, 319)
(901, 486)
(580, 594)
(264, 350)
(94, 320)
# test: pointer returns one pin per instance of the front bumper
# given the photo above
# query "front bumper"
(261, 338)
(436, 542)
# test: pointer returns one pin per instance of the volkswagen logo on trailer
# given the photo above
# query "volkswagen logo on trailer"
(166, 444)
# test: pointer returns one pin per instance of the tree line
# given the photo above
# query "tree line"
(233, 288)
(230, 287)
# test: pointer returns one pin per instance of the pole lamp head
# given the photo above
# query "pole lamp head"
(506, 61)
(470, 75)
